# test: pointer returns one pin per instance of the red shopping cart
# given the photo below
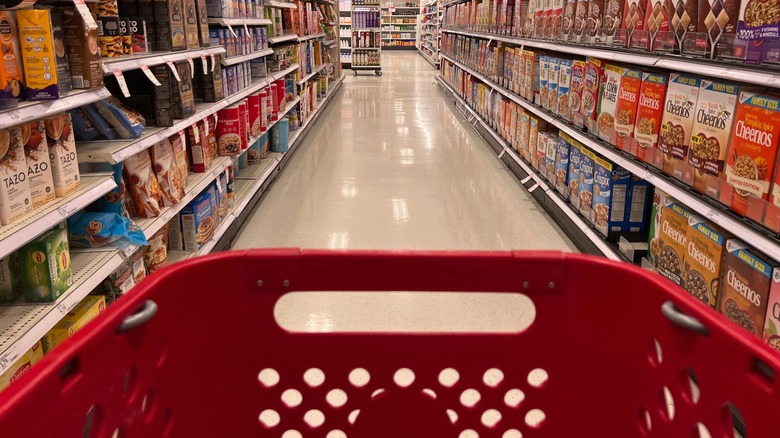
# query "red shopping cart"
(195, 351)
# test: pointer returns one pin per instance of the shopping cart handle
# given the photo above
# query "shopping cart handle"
(674, 315)
(139, 318)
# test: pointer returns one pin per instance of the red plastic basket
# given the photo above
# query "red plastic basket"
(192, 369)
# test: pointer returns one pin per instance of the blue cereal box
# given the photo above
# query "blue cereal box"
(587, 169)
(574, 174)
(197, 223)
(611, 185)
(641, 196)
(562, 165)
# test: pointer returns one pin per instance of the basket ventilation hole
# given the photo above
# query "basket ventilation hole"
(429, 392)
(656, 353)
(469, 398)
(645, 424)
(314, 418)
(690, 386)
(404, 377)
(160, 352)
(448, 377)
(512, 433)
(117, 433)
(491, 417)
(292, 398)
(270, 418)
(336, 434)
(167, 422)
(359, 377)
(667, 403)
(314, 377)
(353, 416)
(535, 418)
(92, 421)
(493, 377)
(268, 377)
(376, 393)
(130, 382)
(468, 433)
(701, 431)
(148, 404)
(537, 377)
(453, 415)
(292, 433)
(336, 398)
(514, 397)
(734, 420)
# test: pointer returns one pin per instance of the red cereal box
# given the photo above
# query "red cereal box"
(649, 112)
(625, 114)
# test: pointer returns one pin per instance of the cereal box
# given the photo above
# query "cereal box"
(532, 74)
(523, 133)
(574, 174)
(544, 81)
(562, 165)
(552, 152)
(540, 160)
(656, 19)
(45, 266)
(587, 171)
(191, 29)
(772, 320)
(595, 16)
(654, 231)
(576, 84)
(718, 18)
(608, 102)
(564, 89)
(552, 84)
(62, 154)
(745, 285)
(36, 152)
(594, 71)
(613, 18)
(759, 22)
(673, 241)
(580, 19)
(22, 365)
(649, 111)
(39, 60)
(15, 200)
(539, 18)
(702, 267)
(711, 134)
(11, 84)
(640, 197)
(533, 138)
(610, 197)
(85, 311)
(750, 161)
(679, 114)
(569, 9)
(556, 19)
(628, 98)
(635, 16)
(683, 18)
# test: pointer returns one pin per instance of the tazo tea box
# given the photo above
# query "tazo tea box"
(745, 284)
(36, 152)
(682, 94)
(610, 85)
(772, 320)
(710, 135)
(39, 60)
(62, 154)
(610, 197)
(702, 268)
(587, 171)
(15, 199)
(574, 173)
(594, 70)
(83, 51)
(11, 83)
(64, 81)
(628, 98)
(650, 109)
(45, 266)
(673, 241)
(750, 162)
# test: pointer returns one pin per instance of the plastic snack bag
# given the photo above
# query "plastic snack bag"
(100, 123)
(83, 127)
(143, 185)
(94, 230)
(168, 174)
(128, 123)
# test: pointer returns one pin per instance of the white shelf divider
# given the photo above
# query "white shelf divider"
(29, 111)
(133, 62)
(248, 57)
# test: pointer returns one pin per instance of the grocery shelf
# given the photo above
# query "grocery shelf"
(737, 226)
(316, 114)
(311, 37)
(279, 4)
(282, 38)
(428, 58)
(761, 75)
(23, 324)
(329, 42)
(240, 21)
(430, 13)
(314, 72)
(45, 217)
(134, 62)
(539, 183)
(196, 183)
(29, 111)
(244, 58)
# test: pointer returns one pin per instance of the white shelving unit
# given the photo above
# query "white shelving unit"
(399, 27)
(366, 46)
(345, 33)
(429, 24)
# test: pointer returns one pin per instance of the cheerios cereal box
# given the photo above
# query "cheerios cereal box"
(650, 108)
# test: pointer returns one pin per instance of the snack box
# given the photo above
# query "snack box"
(703, 260)
(191, 24)
(15, 200)
(11, 68)
(169, 25)
(45, 266)
(21, 366)
(85, 311)
(83, 51)
(610, 197)
(745, 286)
(39, 59)
(197, 222)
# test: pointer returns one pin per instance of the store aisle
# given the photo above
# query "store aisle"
(391, 164)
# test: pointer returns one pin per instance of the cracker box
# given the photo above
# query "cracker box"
(85, 311)
(11, 83)
(564, 89)
(711, 134)
(39, 173)
(753, 149)
(673, 241)
(62, 154)
(574, 174)
(682, 94)
(45, 266)
(772, 320)
(654, 230)
(39, 59)
(83, 51)
(197, 222)
(594, 71)
(625, 111)
(562, 165)
(587, 172)
(745, 286)
(15, 200)
(702, 268)
(608, 102)
(22, 365)
(610, 197)
(650, 108)
(552, 84)
(544, 82)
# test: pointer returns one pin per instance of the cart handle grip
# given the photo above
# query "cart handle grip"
(141, 317)
(677, 317)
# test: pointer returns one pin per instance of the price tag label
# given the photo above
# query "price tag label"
(106, 70)
(122, 83)
(213, 62)
(206, 125)
(192, 67)
(182, 138)
(85, 14)
(173, 69)
(15, 115)
(534, 187)
(195, 130)
(246, 29)
(219, 183)
(205, 62)
(150, 75)
(525, 180)
(230, 28)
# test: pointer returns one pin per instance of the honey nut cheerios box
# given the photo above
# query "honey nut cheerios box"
(673, 240)
(703, 260)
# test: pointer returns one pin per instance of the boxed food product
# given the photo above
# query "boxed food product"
(608, 100)
(538, 161)
(611, 184)
(702, 267)
(199, 145)
(650, 109)
(577, 83)
(574, 174)
(169, 25)
(718, 18)
(580, 19)
(635, 16)
(183, 98)
(562, 164)
(85, 311)
(110, 36)
(539, 18)
(126, 35)
(36, 153)
(677, 123)
(221, 190)
(654, 231)
(772, 323)
(544, 82)
(683, 18)
(213, 89)
(15, 196)
(156, 253)
(532, 72)
(759, 24)
(197, 222)
(203, 23)
(83, 51)
(38, 58)
(556, 19)
(552, 84)
(11, 67)
(191, 24)
(139, 40)
(549, 161)
(595, 17)
(62, 154)
(569, 14)
(166, 168)
(21, 366)
(710, 135)
(613, 18)
(64, 81)
(522, 136)
(118, 283)
(745, 286)
(673, 241)
(656, 20)
(752, 153)
(640, 197)
(139, 268)
(587, 172)
(625, 110)
(142, 182)
(564, 89)
(127, 122)
(45, 266)
(175, 236)
(11, 287)
(594, 71)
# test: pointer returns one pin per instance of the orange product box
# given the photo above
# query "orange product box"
(11, 67)
(650, 109)
(625, 113)
(750, 161)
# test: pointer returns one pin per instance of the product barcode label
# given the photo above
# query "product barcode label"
(78, 81)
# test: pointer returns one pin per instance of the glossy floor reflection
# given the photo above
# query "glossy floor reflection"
(391, 164)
